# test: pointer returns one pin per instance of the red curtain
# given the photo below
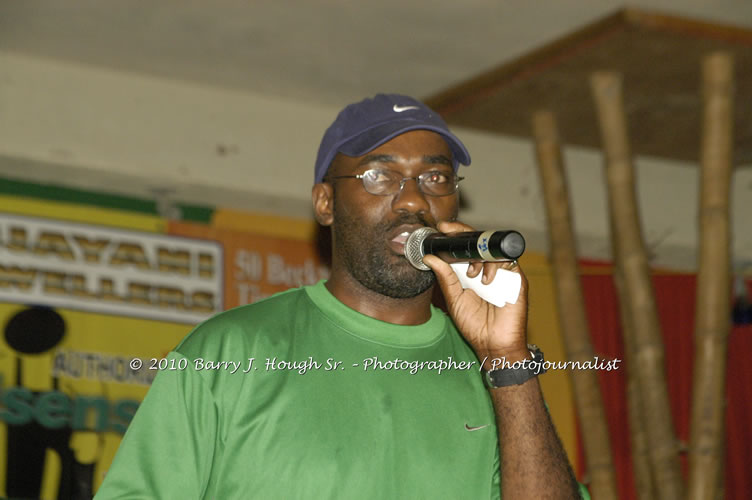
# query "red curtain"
(675, 296)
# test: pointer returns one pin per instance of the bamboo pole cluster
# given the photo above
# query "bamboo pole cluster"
(655, 450)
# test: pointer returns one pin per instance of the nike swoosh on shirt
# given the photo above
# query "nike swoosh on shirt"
(400, 109)
(471, 429)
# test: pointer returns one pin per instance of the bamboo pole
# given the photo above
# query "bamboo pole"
(644, 480)
(571, 308)
(627, 234)
(712, 321)
(643, 476)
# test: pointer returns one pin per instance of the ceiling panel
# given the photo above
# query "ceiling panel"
(660, 59)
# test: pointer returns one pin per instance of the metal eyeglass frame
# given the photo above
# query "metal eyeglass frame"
(417, 179)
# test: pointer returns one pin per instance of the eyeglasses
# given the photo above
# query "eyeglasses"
(382, 182)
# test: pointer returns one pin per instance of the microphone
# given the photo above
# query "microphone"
(473, 246)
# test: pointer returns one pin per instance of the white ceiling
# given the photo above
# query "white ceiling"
(321, 51)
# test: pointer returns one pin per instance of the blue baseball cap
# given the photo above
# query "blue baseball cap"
(366, 125)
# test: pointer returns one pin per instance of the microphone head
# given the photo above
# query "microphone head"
(414, 247)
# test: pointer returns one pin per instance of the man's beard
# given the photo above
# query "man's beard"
(370, 260)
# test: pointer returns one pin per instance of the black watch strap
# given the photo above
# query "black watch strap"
(516, 373)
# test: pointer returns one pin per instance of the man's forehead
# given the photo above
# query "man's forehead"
(376, 157)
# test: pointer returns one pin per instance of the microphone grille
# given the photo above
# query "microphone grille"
(414, 247)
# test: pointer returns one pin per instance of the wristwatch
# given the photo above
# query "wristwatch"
(516, 373)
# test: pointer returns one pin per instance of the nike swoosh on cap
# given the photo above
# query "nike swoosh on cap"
(471, 429)
(400, 109)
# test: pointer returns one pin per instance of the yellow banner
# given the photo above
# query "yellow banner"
(84, 301)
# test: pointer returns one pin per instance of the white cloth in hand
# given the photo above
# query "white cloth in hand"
(504, 289)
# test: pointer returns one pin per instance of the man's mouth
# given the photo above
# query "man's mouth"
(400, 235)
(401, 238)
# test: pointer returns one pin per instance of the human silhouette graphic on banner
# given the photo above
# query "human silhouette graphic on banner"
(35, 420)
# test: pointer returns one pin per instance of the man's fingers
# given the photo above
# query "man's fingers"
(453, 227)
(448, 281)
(489, 273)
(473, 269)
(511, 265)
(442, 270)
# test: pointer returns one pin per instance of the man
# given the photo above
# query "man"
(377, 417)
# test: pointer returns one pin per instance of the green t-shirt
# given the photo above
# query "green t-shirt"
(403, 415)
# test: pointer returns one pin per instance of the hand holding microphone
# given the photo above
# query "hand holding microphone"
(458, 249)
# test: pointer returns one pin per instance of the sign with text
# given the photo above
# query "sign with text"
(257, 266)
(107, 270)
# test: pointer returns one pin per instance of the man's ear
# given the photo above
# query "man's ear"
(322, 196)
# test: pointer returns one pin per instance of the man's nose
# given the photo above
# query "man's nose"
(410, 198)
